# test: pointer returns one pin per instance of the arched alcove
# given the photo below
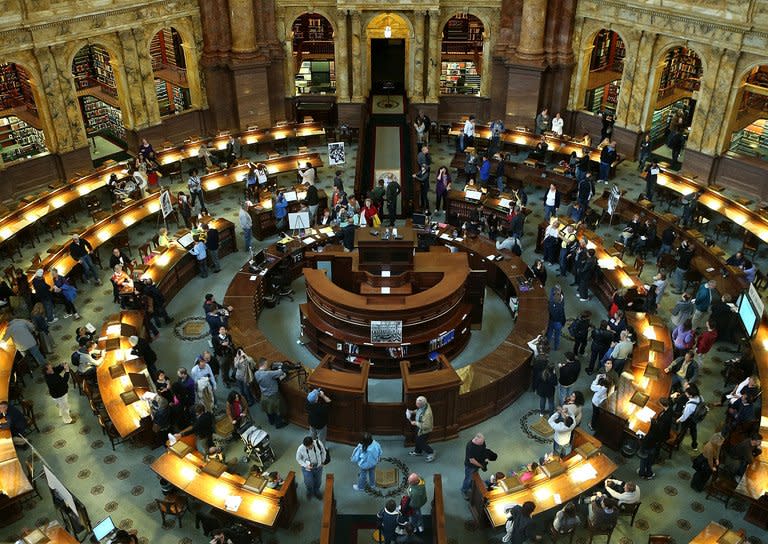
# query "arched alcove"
(606, 67)
(313, 55)
(169, 66)
(461, 55)
(674, 99)
(97, 93)
(389, 49)
(21, 129)
(749, 127)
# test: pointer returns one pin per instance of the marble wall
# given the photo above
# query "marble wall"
(730, 37)
(44, 36)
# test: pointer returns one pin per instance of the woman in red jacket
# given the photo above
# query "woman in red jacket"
(369, 210)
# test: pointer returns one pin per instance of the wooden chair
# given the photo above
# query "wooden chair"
(724, 228)
(28, 409)
(53, 223)
(37, 262)
(9, 247)
(761, 281)
(722, 488)
(599, 531)
(751, 245)
(172, 505)
(556, 535)
(145, 251)
(659, 539)
(109, 429)
(99, 215)
(672, 444)
(630, 511)
(617, 250)
(78, 379)
(639, 265)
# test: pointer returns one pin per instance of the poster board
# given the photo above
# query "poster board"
(166, 206)
(336, 153)
(613, 201)
(55, 484)
(298, 220)
(386, 332)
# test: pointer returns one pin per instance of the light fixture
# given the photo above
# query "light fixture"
(651, 372)
(387, 31)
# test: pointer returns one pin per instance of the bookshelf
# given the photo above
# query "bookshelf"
(169, 68)
(309, 28)
(101, 118)
(316, 77)
(459, 78)
(603, 98)
(608, 52)
(752, 140)
(15, 89)
(661, 117)
(91, 68)
(682, 70)
(19, 139)
(463, 36)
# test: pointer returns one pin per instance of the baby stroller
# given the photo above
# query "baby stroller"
(257, 447)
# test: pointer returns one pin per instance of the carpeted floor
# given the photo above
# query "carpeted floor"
(120, 484)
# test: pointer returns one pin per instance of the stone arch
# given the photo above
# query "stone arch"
(186, 51)
(29, 63)
(482, 15)
(734, 122)
(373, 18)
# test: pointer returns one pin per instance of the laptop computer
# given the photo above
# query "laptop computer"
(104, 529)
(186, 240)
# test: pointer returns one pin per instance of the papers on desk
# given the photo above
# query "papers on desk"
(557, 498)
(583, 473)
(458, 239)
(308, 240)
(446, 237)
(710, 269)
(232, 503)
(504, 202)
(385, 290)
(409, 414)
(253, 278)
(385, 273)
(90, 328)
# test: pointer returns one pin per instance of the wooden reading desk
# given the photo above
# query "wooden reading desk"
(580, 475)
(112, 373)
(714, 533)
(270, 508)
(280, 165)
(55, 534)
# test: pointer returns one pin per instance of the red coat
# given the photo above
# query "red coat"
(705, 341)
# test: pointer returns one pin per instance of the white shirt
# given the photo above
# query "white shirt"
(196, 373)
(601, 392)
(557, 125)
(690, 408)
(551, 197)
(552, 231)
(737, 395)
(625, 497)
(562, 431)
(314, 455)
(469, 128)
(245, 220)
(308, 176)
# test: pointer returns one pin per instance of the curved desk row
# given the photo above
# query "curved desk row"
(14, 484)
(256, 136)
(579, 474)
(708, 260)
(270, 508)
(750, 220)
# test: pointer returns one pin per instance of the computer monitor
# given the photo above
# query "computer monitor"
(473, 195)
(103, 528)
(290, 196)
(748, 314)
(186, 240)
(259, 258)
(419, 219)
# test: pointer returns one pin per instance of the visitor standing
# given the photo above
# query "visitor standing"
(57, 380)
(22, 332)
(269, 384)
(311, 456)
(318, 409)
(392, 190)
(80, 250)
(422, 421)
(476, 457)
(366, 456)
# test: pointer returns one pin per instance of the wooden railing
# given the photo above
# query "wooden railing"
(328, 524)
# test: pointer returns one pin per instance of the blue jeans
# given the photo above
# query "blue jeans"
(247, 235)
(367, 478)
(313, 479)
(544, 401)
(48, 305)
(37, 354)
(664, 249)
(500, 183)
(646, 463)
(562, 393)
(553, 334)
(549, 211)
(88, 268)
(563, 261)
(605, 171)
(416, 519)
(678, 278)
(468, 472)
(561, 450)
(202, 268)
(245, 390)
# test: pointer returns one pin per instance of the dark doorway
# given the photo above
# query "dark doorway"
(387, 65)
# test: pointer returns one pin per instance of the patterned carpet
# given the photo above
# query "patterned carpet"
(120, 484)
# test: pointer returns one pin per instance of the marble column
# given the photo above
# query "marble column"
(214, 18)
(139, 78)
(644, 84)
(242, 26)
(629, 74)
(358, 94)
(65, 109)
(485, 74)
(534, 20)
(340, 44)
(433, 69)
(285, 35)
(418, 57)
(714, 98)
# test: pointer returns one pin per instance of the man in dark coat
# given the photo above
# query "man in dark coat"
(658, 433)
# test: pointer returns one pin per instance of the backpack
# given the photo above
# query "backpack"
(700, 412)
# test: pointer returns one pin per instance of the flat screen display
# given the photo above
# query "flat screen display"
(748, 315)
(290, 196)
(186, 240)
(419, 219)
(103, 528)
(259, 258)
(473, 195)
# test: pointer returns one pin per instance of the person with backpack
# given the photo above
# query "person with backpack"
(694, 412)
(579, 330)
(366, 456)
(519, 526)
(389, 519)
(417, 495)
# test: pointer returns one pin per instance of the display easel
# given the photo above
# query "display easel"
(297, 222)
